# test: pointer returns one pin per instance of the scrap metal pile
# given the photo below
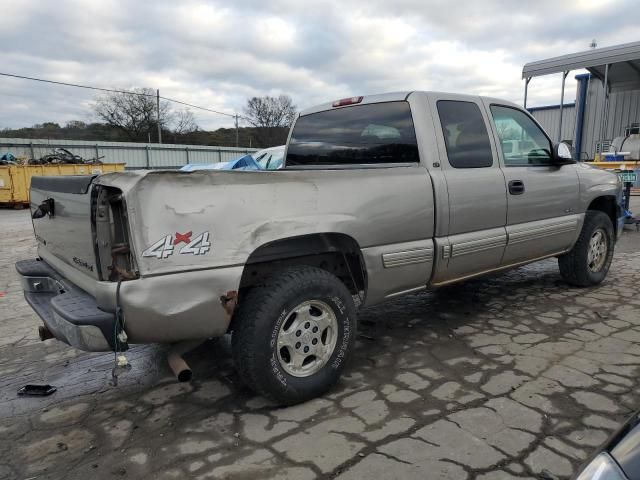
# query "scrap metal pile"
(63, 156)
(57, 156)
(8, 159)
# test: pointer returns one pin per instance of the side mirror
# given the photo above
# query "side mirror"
(562, 154)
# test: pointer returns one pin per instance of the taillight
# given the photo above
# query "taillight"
(347, 101)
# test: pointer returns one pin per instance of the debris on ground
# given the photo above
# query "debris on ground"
(37, 390)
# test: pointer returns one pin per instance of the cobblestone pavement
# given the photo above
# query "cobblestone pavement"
(499, 378)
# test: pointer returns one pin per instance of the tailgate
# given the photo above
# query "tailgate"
(66, 230)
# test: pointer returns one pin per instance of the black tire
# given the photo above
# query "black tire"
(263, 312)
(574, 265)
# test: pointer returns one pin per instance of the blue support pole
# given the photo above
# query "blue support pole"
(583, 85)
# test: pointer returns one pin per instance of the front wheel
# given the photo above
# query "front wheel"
(293, 335)
(589, 260)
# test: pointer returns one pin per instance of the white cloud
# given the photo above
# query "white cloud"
(217, 54)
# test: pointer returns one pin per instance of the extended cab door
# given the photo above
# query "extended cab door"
(476, 235)
(542, 200)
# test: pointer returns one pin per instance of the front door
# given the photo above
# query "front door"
(542, 198)
(476, 190)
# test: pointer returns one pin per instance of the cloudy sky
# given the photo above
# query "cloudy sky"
(217, 54)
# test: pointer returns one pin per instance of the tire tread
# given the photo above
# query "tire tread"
(572, 268)
(255, 307)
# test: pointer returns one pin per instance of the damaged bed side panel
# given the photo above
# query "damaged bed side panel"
(197, 230)
(209, 219)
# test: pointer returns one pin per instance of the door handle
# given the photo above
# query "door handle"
(516, 187)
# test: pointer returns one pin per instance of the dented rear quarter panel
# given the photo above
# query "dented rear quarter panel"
(177, 297)
(245, 210)
(391, 208)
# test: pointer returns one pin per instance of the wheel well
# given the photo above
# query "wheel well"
(336, 253)
(608, 206)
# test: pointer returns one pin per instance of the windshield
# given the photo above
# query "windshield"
(270, 159)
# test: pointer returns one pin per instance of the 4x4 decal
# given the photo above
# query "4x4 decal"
(168, 245)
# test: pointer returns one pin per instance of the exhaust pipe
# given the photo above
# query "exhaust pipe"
(44, 333)
(179, 367)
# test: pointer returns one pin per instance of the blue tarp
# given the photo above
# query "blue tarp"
(243, 163)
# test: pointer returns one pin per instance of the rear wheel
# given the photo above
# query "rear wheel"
(588, 262)
(293, 335)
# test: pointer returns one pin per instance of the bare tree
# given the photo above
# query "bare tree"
(270, 111)
(79, 124)
(271, 116)
(183, 122)
(133, 112)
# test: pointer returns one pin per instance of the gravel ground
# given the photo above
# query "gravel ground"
(511, 376)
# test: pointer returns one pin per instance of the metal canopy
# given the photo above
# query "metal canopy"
(623, 65)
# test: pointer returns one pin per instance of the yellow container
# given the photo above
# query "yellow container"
(625, 165)
(15, 180)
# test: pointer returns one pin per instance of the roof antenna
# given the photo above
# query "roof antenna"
(593, 44)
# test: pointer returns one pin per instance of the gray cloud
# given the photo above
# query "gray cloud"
(216, 54)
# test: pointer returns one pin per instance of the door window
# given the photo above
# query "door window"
(522, 141)
(465, 134)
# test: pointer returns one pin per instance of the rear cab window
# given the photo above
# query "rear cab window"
(369, 134)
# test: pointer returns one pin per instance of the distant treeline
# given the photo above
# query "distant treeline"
(256, 137)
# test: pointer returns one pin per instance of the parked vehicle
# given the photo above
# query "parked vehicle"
(379, 196)
(246, 162)
(270, 158)
(267, 159)
(619, 458)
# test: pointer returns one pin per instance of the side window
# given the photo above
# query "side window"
(522, 141)
(465, 134)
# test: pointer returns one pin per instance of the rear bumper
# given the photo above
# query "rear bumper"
(70, 313)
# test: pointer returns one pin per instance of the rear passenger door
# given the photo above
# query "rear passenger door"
(542, 200)
(476, 190)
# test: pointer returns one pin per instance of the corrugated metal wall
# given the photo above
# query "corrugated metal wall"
(135, 155)
(624, 109)
(550, 117)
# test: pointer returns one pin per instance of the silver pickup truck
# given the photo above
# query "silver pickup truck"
(379, 196)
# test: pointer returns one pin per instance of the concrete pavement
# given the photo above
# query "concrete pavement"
(511, 376)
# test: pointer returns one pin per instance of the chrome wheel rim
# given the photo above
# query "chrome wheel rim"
(597, 254)
(307, 338)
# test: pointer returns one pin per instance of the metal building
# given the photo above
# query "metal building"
(607, 98)
(549, 116)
